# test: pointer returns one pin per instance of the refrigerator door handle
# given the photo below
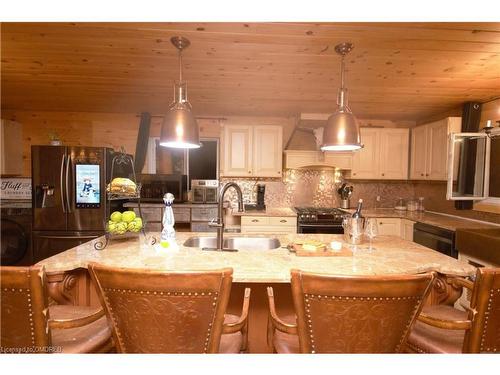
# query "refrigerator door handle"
(68, 165)
(61, 181)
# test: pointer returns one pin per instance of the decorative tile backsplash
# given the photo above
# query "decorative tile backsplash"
(318, 188)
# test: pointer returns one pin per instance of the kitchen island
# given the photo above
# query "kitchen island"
(257, 269)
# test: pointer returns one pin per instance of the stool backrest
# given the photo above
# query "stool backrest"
(164, 312)
(484, 336)
(347, 314)
(23, 310)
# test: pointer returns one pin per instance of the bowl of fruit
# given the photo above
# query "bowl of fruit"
(124, 224)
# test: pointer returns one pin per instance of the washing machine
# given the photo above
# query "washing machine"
(15, 240)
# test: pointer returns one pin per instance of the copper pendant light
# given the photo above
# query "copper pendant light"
(342, 129)
(179, 128)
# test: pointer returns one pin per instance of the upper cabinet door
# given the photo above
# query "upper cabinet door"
(393, 154)
(365, 162)
(237, 150)
(267, 151)
(418, 167)
(437, 140)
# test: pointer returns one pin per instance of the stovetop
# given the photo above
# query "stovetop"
(319, 215)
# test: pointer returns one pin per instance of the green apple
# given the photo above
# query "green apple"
(116, 216)
(128, 216)
(138, 223)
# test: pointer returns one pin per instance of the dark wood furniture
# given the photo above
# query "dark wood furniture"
(30, 325)
(170, 312)
(444, 329)
(347, 314)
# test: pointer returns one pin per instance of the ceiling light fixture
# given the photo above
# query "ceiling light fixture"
(179, 128)
(342, 129)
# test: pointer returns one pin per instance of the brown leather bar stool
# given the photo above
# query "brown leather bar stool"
(30, 325)
(170, 312)
(444, 329)
(346, 314)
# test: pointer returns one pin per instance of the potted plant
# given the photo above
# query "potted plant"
(54, 139)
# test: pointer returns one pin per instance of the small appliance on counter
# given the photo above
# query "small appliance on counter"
(261, 191)
(260, 205)
(204, 191)
(345, 193)
(155, 186)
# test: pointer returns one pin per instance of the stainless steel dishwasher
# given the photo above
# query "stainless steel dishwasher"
(436, 238)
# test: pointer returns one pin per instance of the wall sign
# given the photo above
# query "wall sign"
(15, 188)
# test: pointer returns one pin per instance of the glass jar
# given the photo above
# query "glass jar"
(421, 207)
(412, 205)
(400, 205)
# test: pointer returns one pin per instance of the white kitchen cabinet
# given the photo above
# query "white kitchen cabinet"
(384, 155)
(268, 224)
(394, 147)
(11, 151)
(418, 153)
(237, 150)
(365, 161)
(252, 151)
(407, 229)
(267, 151)
(388, 226)
(429, 149)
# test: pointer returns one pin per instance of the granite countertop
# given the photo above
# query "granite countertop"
(269, 211)
(391, 255)
(157, 205)
(432, 218)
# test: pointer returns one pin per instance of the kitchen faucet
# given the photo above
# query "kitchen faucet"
(219, 224)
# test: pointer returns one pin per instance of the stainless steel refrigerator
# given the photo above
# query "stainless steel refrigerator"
(69, 196)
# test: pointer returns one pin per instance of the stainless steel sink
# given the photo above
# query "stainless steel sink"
(234, 243)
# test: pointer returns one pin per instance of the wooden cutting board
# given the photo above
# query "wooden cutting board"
(326, 252)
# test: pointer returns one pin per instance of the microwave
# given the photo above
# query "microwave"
(155, 186)
(204, 191)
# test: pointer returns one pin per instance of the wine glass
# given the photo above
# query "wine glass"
(371, 230)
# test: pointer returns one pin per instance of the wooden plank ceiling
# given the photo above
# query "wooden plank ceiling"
(397, 71)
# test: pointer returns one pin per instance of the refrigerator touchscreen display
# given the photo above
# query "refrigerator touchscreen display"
(88, 194)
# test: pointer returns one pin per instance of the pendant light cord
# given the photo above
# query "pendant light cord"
(180, 66)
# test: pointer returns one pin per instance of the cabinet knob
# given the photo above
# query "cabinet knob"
(249, 171)
(279, 172)
(421, 174)
(427, 174)
(354, 174)
(255, 221)
(383, 174)
(283, 221)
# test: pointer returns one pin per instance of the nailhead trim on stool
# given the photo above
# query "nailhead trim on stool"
(352, 299)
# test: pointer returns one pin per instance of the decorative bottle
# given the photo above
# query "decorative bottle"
(168, 231)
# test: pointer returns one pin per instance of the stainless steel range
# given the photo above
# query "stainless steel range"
(319, 220)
